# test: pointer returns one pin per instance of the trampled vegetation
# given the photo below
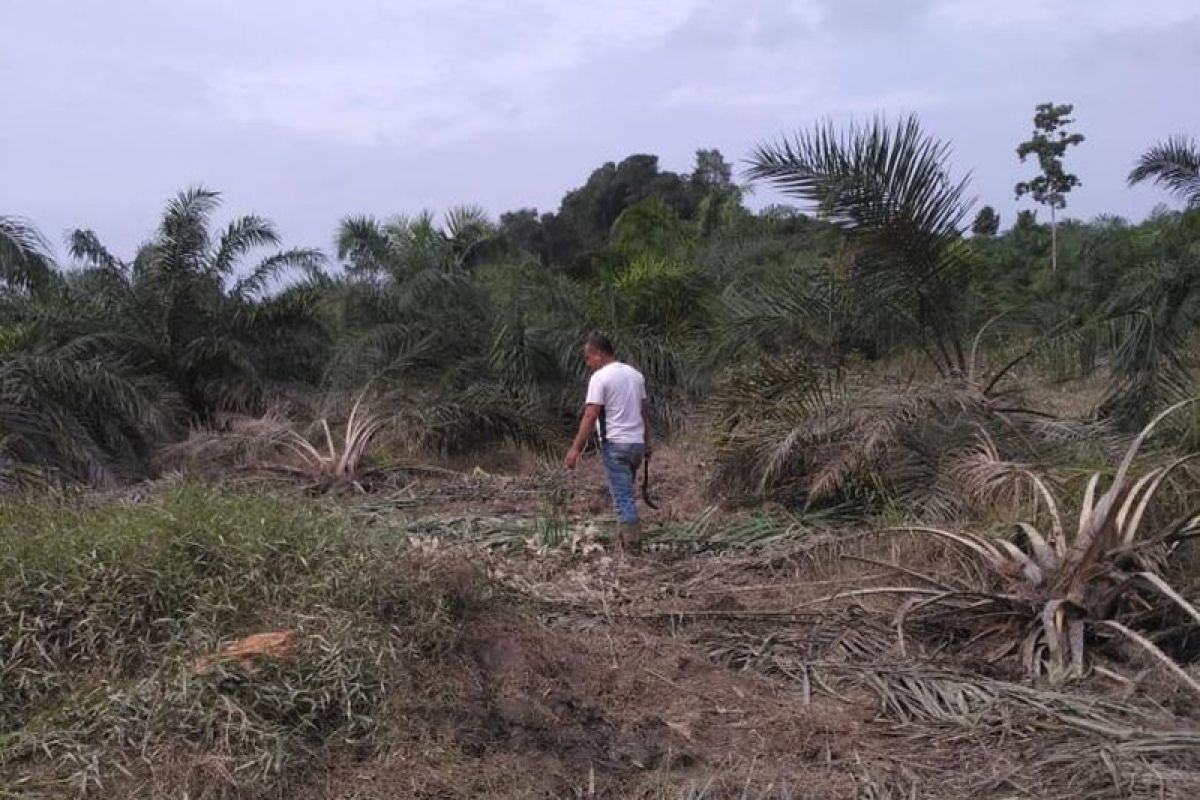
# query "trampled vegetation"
(971, 445)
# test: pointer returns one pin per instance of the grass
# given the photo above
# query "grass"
(106, 611)
(401, 663)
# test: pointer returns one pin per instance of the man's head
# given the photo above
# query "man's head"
(597, 351)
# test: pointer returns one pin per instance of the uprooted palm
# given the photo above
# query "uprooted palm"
(276, 445)
(1056, 598)
(802, 433)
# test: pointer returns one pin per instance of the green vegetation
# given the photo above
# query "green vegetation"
(1173, 164)
(881, 354)
(107, 615)
(852, 349)
(459, 333)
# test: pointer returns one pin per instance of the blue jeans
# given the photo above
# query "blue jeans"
(621, 462)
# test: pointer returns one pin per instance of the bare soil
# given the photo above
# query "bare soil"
(735, 675)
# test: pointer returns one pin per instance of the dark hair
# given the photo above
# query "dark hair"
(599, 342)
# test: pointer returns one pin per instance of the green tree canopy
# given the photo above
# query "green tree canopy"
(987, 222)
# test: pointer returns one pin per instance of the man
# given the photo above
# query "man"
(616, 407)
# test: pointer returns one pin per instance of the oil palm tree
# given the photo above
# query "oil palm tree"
(415, 322)
(188, 308)
(1153, 317)
(401, 247)
(408, 303)
(889, 188)
(69, 412)
(69, 408)
(798, 423)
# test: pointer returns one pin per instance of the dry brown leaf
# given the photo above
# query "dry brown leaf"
(272, 644)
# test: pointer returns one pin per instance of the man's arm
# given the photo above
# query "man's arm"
(586, 425)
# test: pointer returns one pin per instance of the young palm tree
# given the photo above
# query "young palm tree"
(1154, 316)
(188, 309)
(1173, 164)
(890, 189)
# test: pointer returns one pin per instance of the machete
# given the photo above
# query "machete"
(646, 484)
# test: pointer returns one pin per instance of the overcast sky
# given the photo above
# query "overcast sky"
(307, 111)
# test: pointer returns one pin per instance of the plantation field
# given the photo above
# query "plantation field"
(282, 522)
(469, 634)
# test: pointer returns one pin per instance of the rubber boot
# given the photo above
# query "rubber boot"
(631, 537)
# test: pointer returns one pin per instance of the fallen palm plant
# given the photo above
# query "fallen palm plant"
(1051, 595)
(807, 436)
(1076, 745)
(276, 445)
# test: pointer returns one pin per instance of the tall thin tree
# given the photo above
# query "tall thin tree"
(1049, 142)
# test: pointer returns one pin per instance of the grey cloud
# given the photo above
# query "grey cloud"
(307, 111)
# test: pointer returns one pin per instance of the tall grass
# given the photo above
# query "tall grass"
(106, 612)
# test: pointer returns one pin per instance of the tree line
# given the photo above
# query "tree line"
(759, 328)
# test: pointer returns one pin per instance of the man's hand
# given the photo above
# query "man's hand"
(587, 424)
(572, 458)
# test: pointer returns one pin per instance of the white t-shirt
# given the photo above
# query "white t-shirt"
(620, 389)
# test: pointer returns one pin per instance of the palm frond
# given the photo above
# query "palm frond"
(183, 235)
(481, 416)
(25, 260)
(83, 418)
(86, 246)
(304, 260)
(242, 236)
(1152, 361)
(467, 231)
(890, 188)
(788, 311)
(362, 242)
(870, 177)
(1173, 164)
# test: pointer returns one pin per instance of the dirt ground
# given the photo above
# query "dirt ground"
(734, 674)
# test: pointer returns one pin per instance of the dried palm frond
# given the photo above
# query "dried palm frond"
(990, 479)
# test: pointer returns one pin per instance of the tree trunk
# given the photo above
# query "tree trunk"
(1053, 240)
